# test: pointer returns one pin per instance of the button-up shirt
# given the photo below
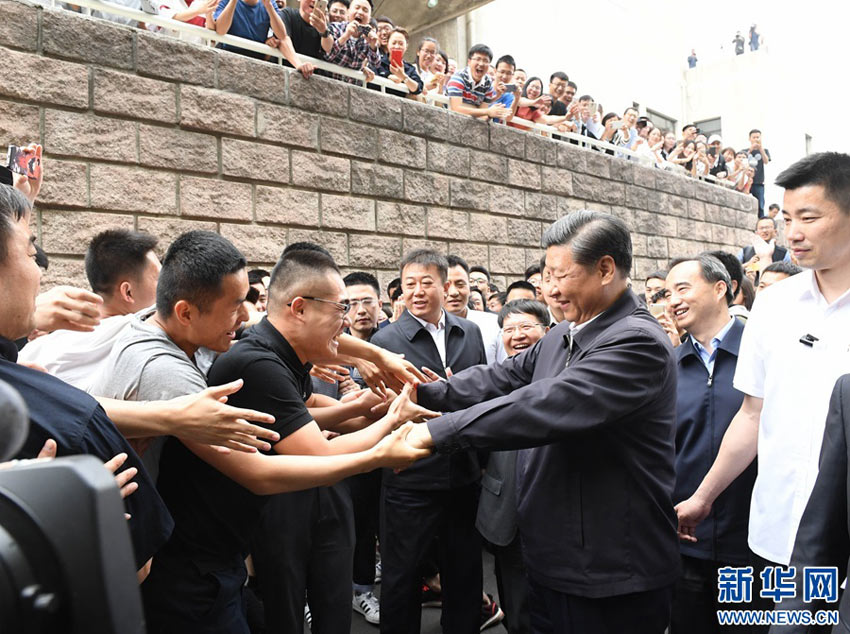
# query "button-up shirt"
(704, 355)
(795, 380)
(437, 332)
(353, 54)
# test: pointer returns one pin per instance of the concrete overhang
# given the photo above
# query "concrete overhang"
(415, 15)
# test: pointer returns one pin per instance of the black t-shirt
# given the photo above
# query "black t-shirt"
(559, 109)
(305, 38)
(214, 516)
(79, 425)
(719, 167)
(757, 163)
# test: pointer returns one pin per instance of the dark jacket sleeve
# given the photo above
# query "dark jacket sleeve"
(822, 538)
(479, 383)
(612, 381)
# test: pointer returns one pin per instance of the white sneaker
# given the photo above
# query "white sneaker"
(308, 616)
(368, 605)
(378, 571)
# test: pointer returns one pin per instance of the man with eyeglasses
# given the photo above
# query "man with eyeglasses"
(523, 322)
(471, 90)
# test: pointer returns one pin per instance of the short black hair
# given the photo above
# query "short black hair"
(385, 19)
(534, 269)
(749, 293)
(520, 284)
(193, 269)
(591, 235)
(296, 268)
(255, 276)
(394, 283)
(572, 84)
(585, 98)
(116, 254)
(753, 131)
(456, 260)
(253, 295)
(364, 279)
(506, 59)
(733, 267)
(788, 268)
(13, 206)
(558, 74)
(426, 257)
(525, 307)
(656, 275)
(771, 205)
(480, 269)
(480, 49)
(689, 125)
(830, 170)
(493, 288)
(608, 117)
(345, 2)
(427, 39)
(305, 246)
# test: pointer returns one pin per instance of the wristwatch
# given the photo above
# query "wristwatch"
(325, 34)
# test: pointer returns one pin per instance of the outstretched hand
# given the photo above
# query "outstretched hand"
(396, 453)
(206, 418)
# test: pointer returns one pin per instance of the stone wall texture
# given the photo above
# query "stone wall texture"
(145, 131)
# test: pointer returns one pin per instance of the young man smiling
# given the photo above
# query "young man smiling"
(471, 90)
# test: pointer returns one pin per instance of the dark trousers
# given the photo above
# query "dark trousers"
(410, 520)
(181, 596)
(554, 612)
(366, 499)
(513, 587)
(758, 192)
(695, 603)
(303, 545)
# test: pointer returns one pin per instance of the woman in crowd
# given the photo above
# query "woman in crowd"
(652, 147)
(701, 164)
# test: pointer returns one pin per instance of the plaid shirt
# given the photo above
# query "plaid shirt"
(352, 54)
(462, 85)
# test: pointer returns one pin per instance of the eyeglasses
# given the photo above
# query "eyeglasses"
(524, 328)
(479, 60)
(367, 302)
(343, 307)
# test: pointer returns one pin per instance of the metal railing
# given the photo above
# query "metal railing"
(210, 36)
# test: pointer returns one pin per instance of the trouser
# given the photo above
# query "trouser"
(758, 192)
(410, 519)
(554, 612)
(182, 596)
(513, 586)
(366, 500)
(304, 545)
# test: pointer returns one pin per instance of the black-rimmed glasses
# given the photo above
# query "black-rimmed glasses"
(343, 307)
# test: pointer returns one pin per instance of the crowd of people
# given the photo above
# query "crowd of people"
(387, 436)
(346, 34)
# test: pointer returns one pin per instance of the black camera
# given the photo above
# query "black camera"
(66, 562)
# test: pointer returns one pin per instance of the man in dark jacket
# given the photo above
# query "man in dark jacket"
(700, 292)
(592, 405)
(439, 497)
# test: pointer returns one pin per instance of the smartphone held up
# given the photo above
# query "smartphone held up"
(25, 161)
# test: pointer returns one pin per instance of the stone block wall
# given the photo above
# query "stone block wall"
(145, 131)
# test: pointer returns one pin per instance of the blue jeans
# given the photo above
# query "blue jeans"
(758, 192)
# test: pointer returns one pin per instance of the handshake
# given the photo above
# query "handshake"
(409, 441)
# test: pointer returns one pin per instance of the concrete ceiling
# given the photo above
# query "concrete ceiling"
(414, 15)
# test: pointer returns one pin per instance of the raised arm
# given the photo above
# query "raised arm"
(225, 18)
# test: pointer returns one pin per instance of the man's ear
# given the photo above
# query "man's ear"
(607, 269)
(125, 292)
(184, 312)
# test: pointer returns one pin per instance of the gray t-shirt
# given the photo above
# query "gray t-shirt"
(146, 365)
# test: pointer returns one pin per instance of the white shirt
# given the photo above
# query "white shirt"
(488, 324)
(76, 357)
(437, 332)
(795, 381)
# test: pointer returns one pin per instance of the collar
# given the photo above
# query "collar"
(272, 338)
(623, 306)
(441, 324)
(8, 350)
(812, 289)
(730, 340)
(574, 330)
(410, 325)
(468, 76)
(717, 339)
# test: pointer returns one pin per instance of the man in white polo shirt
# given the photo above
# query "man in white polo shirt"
(788, 367)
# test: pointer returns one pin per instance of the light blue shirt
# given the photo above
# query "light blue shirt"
(707, 358)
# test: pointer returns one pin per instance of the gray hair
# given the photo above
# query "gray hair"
(592, 235)
(13, 206)
(712, 271)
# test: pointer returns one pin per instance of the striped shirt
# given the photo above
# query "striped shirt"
(462, 85)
